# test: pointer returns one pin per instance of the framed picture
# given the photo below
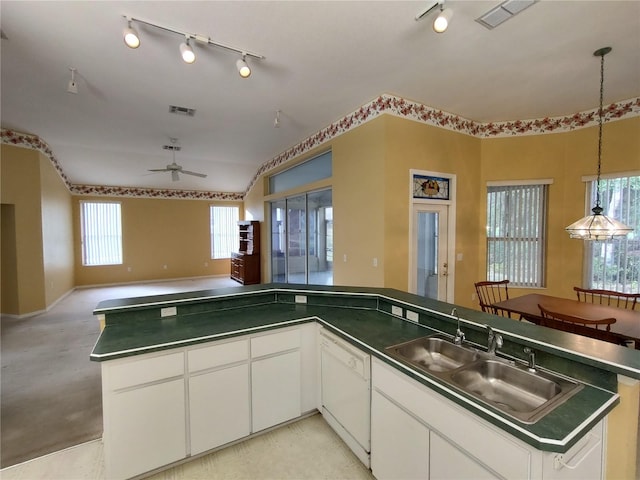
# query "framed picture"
(434, 188)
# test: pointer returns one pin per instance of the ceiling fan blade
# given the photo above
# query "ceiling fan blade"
(158, 170)
(174, 176)
(194, 173)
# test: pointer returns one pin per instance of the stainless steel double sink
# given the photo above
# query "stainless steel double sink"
(513, 389)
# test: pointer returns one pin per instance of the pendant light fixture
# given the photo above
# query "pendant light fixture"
(598, 226)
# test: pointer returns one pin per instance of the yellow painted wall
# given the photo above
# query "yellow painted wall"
(57, 233)
(20, 186)
(9, 301)
(156, 232)
(565, 158)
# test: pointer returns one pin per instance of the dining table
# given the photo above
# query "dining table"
(626, 326)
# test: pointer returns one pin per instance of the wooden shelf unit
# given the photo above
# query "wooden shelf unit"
(245, 263)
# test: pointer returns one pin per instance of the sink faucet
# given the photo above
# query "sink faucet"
(494, 342)
(459, 338)
(532, 359)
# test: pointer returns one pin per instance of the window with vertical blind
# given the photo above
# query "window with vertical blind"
(225, 237)
(101, 231)
(615, 264)
(516, 226)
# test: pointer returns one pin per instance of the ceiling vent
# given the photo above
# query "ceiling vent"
(189, 112)
(503, 12)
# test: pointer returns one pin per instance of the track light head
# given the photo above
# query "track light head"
(131, 38)
(441, 23)
(243, 68)
(187, 52)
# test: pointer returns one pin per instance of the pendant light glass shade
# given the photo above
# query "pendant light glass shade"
(598, 226)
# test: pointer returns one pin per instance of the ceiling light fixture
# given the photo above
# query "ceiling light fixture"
(72, 86)
(187, 52)
(598, 226)
(276, 121)
(131, 37)
(132, 40)
(243, 68)
(441, 23)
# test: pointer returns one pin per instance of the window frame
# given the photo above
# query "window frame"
(85, 245)
(526, 270)
(608, 248)
(232, 236)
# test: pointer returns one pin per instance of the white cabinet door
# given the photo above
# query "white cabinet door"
(450, 463)
(275, 390)
(145, 428)
(219, 407)
(399, 443)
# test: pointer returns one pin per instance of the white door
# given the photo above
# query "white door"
(430, 266)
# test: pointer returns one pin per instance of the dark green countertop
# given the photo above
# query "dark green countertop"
(363, 317)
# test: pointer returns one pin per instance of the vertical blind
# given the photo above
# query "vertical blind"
(615, 264)
(101, 229)
(516, 223)
(225, 236)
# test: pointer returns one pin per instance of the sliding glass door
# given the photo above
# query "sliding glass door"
(302, 239)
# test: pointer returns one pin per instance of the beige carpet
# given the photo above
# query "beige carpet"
(50, 392)
(307, 449)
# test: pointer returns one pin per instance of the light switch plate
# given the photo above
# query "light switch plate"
(169, 312)
(301, 299)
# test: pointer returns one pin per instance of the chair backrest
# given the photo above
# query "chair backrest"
(581, 326)
(608, 297)
(490, 293)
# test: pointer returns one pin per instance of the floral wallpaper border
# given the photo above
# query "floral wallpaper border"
(384, 104)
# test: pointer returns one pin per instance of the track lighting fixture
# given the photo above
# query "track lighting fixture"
(132, 40)
(441, 23)
(187, 52)
(72, 87)
(243, 68)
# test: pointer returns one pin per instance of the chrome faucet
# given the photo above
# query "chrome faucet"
(532, 359)
(494, 341)
(459, 338)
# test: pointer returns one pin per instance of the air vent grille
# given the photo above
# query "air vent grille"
(503, 12)
(189, 112)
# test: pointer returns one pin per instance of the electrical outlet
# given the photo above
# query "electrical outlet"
(375, 262)
(344, 258)
(413, 316)
(301, 299)
(169, 312)
(396, 310)
(164, 267)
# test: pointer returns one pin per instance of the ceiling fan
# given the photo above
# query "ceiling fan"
(173, 167)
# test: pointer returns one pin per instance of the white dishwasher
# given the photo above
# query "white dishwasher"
(346, 392)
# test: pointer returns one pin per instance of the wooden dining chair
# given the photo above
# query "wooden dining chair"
(493, 292)
(599, 329)
(608, 297)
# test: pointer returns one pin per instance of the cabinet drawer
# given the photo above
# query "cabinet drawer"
(274, 343)
(217, 355)
(145, 370)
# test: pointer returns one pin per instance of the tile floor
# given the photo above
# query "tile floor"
(306, 449)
